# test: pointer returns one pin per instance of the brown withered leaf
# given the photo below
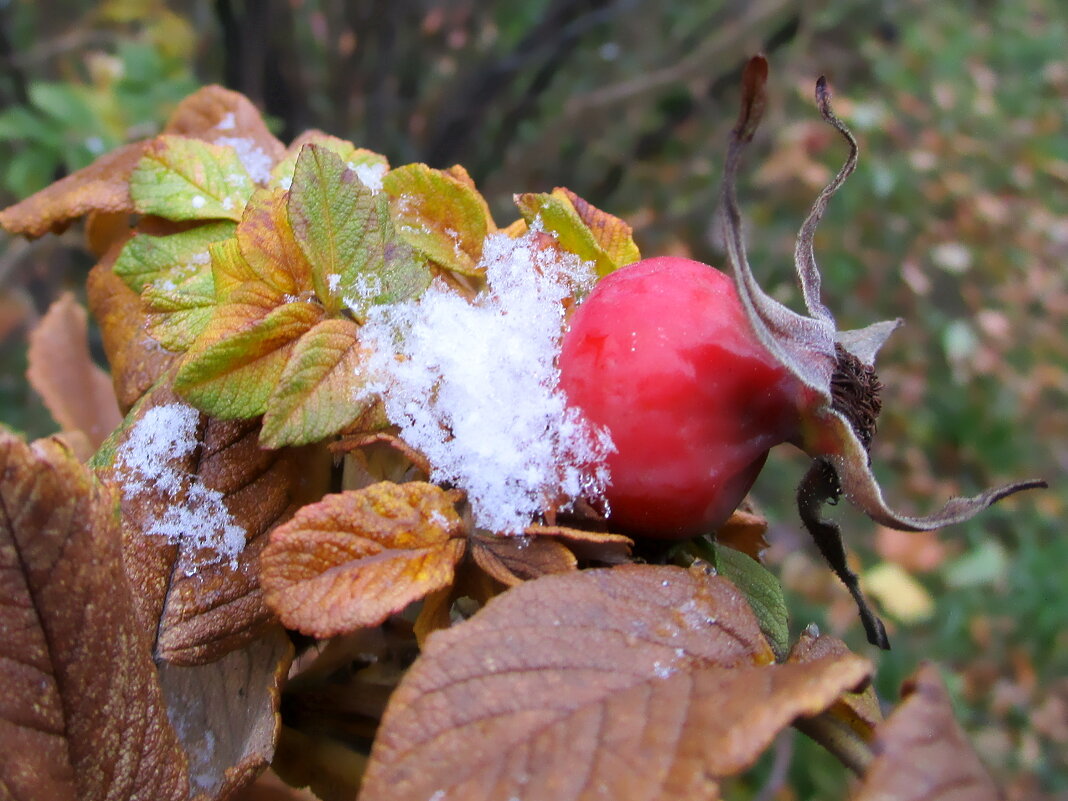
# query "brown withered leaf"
(76, 391)
(216, 482)
(858, 712)
(744, 531)
(596, 547)
(354, 558)
(137, 361)
(226, 714)
(513, 560)
(102, 186)
(636, 682)
(199, 116)
(471, 582)
(81, 713)
(921, 751)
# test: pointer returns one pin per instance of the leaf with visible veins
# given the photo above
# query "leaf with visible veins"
(637, 682)
(355, 558)
(81, 714)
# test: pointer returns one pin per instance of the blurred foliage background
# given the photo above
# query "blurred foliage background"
(956, 220)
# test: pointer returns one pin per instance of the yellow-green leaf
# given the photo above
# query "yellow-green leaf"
(234, 375)
(439, 214)
(146, 258)
(370, 166)
(315, 396)
(269, 247)
(179, 310)
(580, 228)
(186, 179)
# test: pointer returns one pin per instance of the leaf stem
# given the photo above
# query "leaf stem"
(834, 735)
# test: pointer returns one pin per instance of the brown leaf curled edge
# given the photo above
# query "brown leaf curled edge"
(81, 715)
(636, 682)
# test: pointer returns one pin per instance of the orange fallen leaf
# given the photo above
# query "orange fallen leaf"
(75, 390)
(636, 682)
(354, 558)
(921, 751)
(81, 715)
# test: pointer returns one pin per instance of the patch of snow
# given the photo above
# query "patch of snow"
(475, 386)
(227, 123)
(195, 517)
(257, 163)
(286, 183)
(370, 175)
(198, 201)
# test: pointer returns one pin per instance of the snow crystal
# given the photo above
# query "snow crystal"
(476, 385)
(228, 203)
(227, 123)
(195, 517)
(198, 201)
(333, 281)
(370, 175)
(257, 163)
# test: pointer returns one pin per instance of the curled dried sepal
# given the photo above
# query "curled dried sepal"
(840, 404)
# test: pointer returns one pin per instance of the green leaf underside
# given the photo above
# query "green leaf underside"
(175, 257)
(559, 217)
(763, 592)
(440, 216)
(316, 393)
(187, 179)
(179, 311)
(346, 234)
(352, 156)
(235, 375)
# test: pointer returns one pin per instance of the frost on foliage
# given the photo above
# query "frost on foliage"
(370, 175)
(195, 516)
(474, 385)
(256, 162)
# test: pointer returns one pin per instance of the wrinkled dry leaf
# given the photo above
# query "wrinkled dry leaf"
(859, 713)
(357, 557)
(637, 682)
(136, 360)
(513, 560)
(102, 186)
(81, 713)
(226, 713)
(201, 610)
(744, 531)
(594, 547)
(76, 391)
(922, 753)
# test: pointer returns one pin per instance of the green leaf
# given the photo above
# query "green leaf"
(346, 234)
(440, 214)
(763, 592)
(233, 374)
(315, 394)
(187, 179)
(580, 228)
(146, 258)
(353, 157)
(179, 310)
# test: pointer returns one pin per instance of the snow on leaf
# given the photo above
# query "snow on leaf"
(352, 559)
(82, 715)
(363, 162)
(314, 398)
(186, 179)
(441, 216)
(580, 228)
(214, 112)
(476, 389)
(637, 682)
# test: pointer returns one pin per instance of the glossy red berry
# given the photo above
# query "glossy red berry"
(662, 355)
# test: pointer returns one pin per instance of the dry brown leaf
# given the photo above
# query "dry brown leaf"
(81, 712)
(357, 557)
(859, 712)
(471, 582)
(637, 682)
(922, 753)
(76, 391)
(199, 116)
(137, 361)
(744, 531)
(102, 186)
(201, 610)
(226, 714)
(513, 560)
(594, 547)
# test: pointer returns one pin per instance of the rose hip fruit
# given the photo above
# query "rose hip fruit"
(662, 355)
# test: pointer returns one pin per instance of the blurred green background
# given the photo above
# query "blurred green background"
(956, 220)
